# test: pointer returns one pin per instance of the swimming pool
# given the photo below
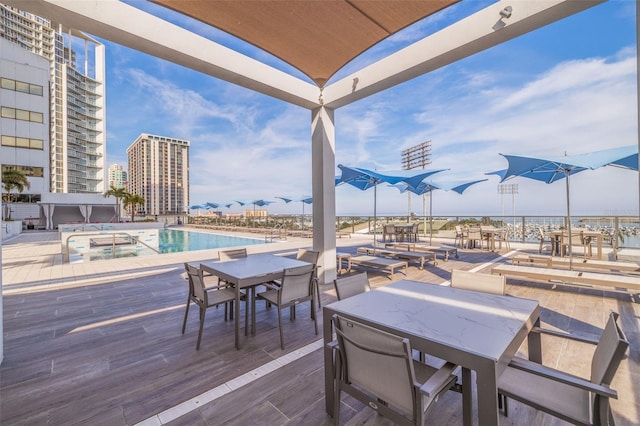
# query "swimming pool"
(146, 242)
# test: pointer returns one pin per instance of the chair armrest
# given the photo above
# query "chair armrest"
(559, 376)
(438, 381)
(272, 285)
(562, 334)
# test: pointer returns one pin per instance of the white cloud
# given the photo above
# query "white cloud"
(577, 106)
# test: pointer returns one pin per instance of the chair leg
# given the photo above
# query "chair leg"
(280, 327)
(314, 316)
(337, 374)
(186, 313)
(202, 314)
(317, 285)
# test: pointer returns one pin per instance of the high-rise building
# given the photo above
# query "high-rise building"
(77, 99)
(117, 176)
(159, 173)
(24, 119)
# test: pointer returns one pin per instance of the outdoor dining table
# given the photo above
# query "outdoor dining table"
(558, 235)
(248, 272)
(489, 233)
(478, 331)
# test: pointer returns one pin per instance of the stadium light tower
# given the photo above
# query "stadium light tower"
(412, 158)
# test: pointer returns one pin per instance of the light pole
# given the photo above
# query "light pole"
(414, 157)
(508, 188)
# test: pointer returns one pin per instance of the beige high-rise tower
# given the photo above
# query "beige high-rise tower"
(159, 172)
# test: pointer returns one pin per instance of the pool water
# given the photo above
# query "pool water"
(161, 241)
(173, 241)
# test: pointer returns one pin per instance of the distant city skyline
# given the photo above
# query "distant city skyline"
(570, 86)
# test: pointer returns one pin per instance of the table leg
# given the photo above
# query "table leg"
(327, 333)
(467, 398)
(534, 345)
(236, 317)
(487, 392)
(253, 310)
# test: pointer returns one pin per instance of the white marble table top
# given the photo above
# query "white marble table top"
(466, 321)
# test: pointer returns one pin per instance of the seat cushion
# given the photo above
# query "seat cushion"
(270, 296)
(224, 295)
(546, 394)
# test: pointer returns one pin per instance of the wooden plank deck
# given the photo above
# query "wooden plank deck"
(106, 349)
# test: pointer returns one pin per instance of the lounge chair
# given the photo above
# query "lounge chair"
(379, 263)
(397, 254)
(568, 397)
(446, 252)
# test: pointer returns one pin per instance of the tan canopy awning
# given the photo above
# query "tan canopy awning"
(317, 37)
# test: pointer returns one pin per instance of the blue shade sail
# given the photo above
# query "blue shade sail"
(553, 168)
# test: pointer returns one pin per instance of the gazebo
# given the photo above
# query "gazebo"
(316, 37)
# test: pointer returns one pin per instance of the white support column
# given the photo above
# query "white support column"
(323, 165)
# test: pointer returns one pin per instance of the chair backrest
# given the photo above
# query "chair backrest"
(495, 284)
(351, 285)
(196, 283)
(475, 233)
(296, 283)
(458, 230)
(610, 351)
(232, 254)
(378, 362)
(309, 256)
(187, 268)
(389, 229)
(541, 232)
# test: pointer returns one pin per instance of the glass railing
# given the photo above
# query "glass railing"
(617, 231)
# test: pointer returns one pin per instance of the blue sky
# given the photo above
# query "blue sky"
(570, 86)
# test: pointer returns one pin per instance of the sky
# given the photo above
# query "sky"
(569, 88)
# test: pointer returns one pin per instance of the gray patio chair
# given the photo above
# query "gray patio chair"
(543, 239)
(377, 368)
(474, 234)
(351, 285)
(312, 256)
(232, 254)
(295, 287)
(461, 236)
(477, 281)
(413, 233)
(571, 398)
(388, 231)
(206, 297)
(309, 256)
(503, 237)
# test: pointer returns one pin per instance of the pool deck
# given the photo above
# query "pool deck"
(100, 343)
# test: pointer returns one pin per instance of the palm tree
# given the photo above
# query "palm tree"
(12, 179)
(132, 201)
(118, 193)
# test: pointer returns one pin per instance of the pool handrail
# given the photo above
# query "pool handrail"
(133, 238)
